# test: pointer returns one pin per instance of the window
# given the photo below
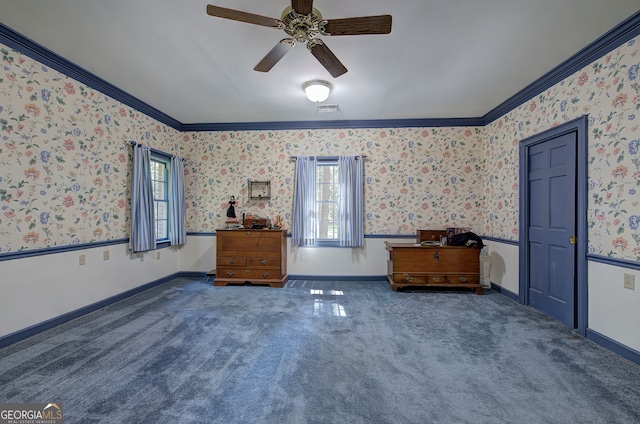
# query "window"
(327, 197)
(159, 178)
(157, 200)
(327, 202)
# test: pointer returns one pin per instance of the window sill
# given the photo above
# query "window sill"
(327, 243)
(161, 244)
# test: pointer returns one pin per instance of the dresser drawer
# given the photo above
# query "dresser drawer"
(409, 278)
(249, 274)
(463, 279)
(226, 261)
(436, 279)
(264, 262)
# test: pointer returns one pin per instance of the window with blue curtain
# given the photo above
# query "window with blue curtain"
(143, 232)
(303, 220)
(158, 207)
(350, 206)
(328, 202)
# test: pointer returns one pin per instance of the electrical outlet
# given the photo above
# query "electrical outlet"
(83, 259)
(105, 255)
(629, 281)
(158, 256)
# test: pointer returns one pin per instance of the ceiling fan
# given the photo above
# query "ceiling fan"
(304, 23)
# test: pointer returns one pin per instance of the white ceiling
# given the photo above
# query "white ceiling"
(443, 58)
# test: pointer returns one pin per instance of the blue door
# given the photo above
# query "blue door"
(552, 227)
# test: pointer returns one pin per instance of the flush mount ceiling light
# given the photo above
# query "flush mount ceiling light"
(317, 91)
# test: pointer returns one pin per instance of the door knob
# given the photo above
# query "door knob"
(572, 240)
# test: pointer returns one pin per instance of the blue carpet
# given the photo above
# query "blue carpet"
(319, 352)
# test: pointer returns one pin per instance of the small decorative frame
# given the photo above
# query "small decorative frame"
(259, 190)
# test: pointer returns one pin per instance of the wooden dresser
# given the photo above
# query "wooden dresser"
(422, 266)
(251, 256)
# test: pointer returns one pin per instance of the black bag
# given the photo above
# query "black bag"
(467, 239)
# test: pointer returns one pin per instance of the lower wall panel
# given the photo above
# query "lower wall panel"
(614, 311)
(369, 260)
(504, 265)
(199, 254)
(39, 288)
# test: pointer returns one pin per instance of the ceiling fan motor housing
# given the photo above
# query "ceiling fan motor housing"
(301, 27)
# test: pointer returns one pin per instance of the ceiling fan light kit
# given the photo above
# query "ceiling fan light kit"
(303, 23)
(317, 91)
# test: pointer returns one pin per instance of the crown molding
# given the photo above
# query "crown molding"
(620, 34)
(614, 38)
(318, 125)
(48, 58)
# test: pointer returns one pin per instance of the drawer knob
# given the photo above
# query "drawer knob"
(409, 278)
(248, 271)
(229, 274)
(436, 256)
(265, 274)
(264, 262)
(248, 233)
(463, 279)
(231, 261)
(436, 278)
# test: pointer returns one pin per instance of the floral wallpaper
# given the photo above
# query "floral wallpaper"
(65, 159)
(414, 178)
(608, 91)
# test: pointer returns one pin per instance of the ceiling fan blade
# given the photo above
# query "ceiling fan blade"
(358, 26)
(303, 7)
(275, 55)
(237, 15)
(326, 57)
